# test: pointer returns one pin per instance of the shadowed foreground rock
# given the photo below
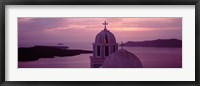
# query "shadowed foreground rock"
(36, 52)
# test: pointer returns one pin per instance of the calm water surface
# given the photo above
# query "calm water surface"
(150, 58)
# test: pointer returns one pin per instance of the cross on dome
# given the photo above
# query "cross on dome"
(105, 23)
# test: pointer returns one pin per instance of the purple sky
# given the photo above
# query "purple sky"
(42, 30)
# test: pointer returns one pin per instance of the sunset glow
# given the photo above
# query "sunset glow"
(100, 42)
(85, 29)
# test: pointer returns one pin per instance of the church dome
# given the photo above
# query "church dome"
(122, 59)
(105, 36)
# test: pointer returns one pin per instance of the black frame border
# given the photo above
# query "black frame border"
(3, 3)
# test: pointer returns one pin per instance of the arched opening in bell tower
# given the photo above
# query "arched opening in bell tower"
(106, 50)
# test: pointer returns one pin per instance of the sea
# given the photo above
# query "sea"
(150, 57)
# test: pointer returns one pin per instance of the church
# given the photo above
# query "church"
(107, 55)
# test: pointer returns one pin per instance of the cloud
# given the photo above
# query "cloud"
(60, 24)
(85, 29)
(40, 24)
(158, 23)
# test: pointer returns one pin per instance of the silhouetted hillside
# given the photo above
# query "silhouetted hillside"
(172, 43)
(36, 52)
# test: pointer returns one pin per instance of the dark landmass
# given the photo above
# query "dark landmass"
(171, 43)
(37, 52)
(60, 44)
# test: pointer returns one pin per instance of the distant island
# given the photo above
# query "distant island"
(37, 52)
(171, 43)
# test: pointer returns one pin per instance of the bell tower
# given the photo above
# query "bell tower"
(104, 45)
